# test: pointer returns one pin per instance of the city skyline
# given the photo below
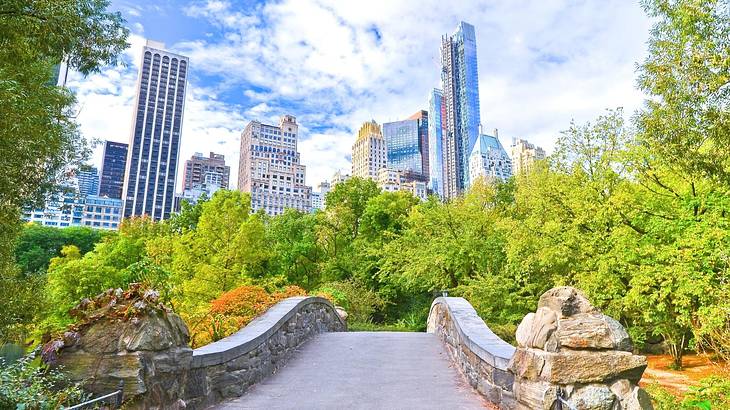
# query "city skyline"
(518, 66)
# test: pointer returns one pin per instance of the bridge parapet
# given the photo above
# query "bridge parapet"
(568, 353)
(482, 355)
(228, 367)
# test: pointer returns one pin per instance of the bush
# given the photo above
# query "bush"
(711, 393)
(358, 301)
(233, 310)
(25, 386)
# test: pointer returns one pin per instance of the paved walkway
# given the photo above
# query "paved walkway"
(364, 370)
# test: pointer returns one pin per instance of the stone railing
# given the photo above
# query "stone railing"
(568, 352)
(148, 354)
(482, 356)
(227, 368)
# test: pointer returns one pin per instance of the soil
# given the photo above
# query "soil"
(696, 367)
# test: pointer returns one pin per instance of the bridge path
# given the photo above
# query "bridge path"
(364, 370)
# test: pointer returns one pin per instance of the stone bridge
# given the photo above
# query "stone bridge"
(298, 355)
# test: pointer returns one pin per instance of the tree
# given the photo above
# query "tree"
(226, 250)
(38, 136)
(292, 238)
(38, 244)
(686, 74)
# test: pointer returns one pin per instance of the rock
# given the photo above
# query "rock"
(535, 395)
(341, 312)
(593, 397)
(592, 331)
(524, 330)
(568, 367)
(566, 301)
(543, 324)
(621, 388)
(638, 400)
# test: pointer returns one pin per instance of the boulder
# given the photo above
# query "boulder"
(126, 339)
(592, 331)
(568, 345)
(566, 301)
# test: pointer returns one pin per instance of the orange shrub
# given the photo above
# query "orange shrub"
(241, 301)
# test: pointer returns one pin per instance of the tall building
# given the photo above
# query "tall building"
(150, 176)
(460, 83)
(489, 160)
(112, 169)
(407, 143)
(436, 114)
(88, 180)
(269, 167)
(206, 170)
(369, 152)
(101, 213)
(524, 155)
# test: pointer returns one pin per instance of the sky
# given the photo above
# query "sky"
(335, 64)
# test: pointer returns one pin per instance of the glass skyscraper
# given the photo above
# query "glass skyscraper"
(436, 113)
(88, 180)
(149, 186)
(112, 169)
(407, 144)
(460, 82)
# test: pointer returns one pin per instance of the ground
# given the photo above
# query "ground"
(696, 367)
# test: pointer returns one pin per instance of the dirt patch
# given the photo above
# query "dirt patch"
(696, 367)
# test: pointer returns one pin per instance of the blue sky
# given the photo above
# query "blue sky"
(335, 64)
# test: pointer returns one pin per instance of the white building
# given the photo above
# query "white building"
(524, 155)
(67, 207)
(270, 170)
(369, 152)
(339, 177)
(317, 201)
(392, 180)
(489, 160)
(102, 212)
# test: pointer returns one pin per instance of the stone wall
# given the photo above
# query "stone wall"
(482, 356)
(568, 348)
(227, 368)
(129, 339)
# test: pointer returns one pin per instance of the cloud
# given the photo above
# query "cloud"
(336, 64)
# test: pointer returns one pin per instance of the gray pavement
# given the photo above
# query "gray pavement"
(364, 370)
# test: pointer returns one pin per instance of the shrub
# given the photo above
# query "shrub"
(358, 301)
(25, 386)
(711, 393)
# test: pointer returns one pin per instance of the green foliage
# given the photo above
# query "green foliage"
(38, 135)
(358, 300)
(296, 254)
(711, 393)
(37, 244)
(24, 385)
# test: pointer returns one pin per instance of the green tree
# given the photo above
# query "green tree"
(226, 250)
(38, 244)
(292, 238)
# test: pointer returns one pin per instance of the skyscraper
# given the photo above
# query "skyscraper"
(149, 186)
(489, 160)
(436, 113)
(460, 83)
(269, 167)
(407, 144)
(369, 152)
(524, 155)
(112, 169)
(88, 180)
(206, 170)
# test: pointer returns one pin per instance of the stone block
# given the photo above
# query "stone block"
(568, 367)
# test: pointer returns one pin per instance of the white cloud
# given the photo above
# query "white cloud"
(336, 64)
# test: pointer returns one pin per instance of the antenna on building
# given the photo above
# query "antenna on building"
(496, 133)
